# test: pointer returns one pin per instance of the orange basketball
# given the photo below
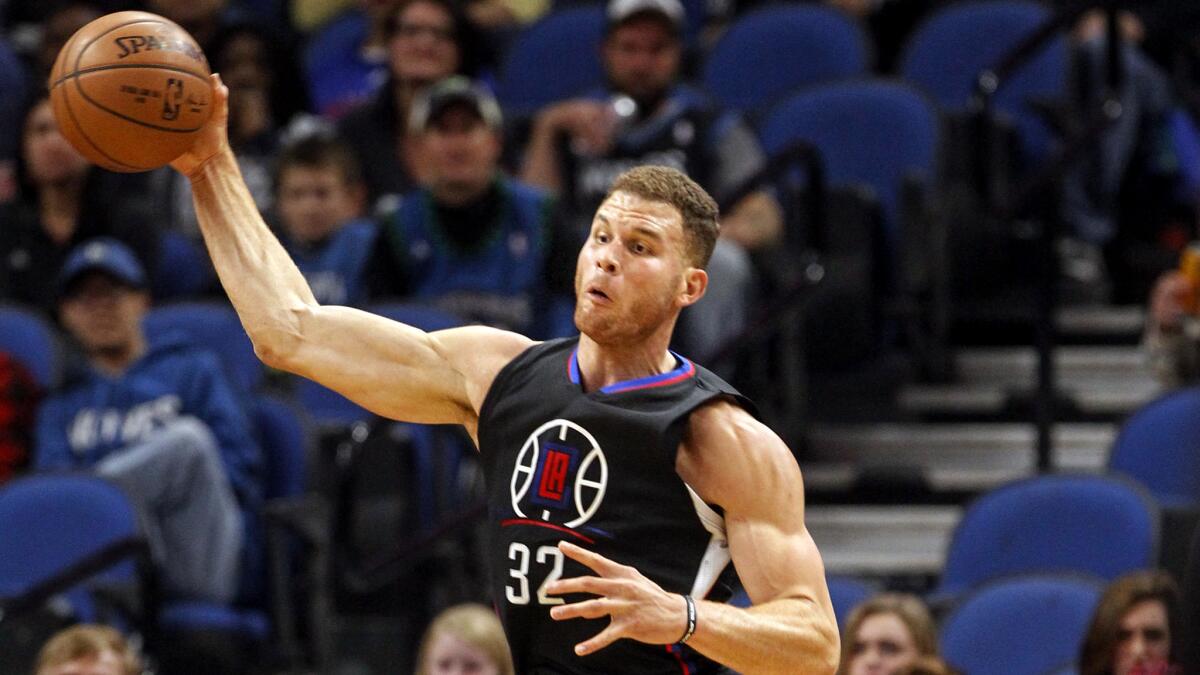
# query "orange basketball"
(130, 91)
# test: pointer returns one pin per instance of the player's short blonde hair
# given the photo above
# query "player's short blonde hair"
(474, 624)
(671, 186)
(87, 641)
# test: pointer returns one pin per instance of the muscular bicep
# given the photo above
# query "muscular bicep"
(738, 463)
(399, 371)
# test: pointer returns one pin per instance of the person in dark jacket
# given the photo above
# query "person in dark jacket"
(160, 420)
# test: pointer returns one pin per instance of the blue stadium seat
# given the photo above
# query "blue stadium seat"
(1159, 446)
(53, 522)
(1020, 626)
(773, 51)
(182, 269)
(875, 133)
(29, 339)
(214, 326)
(847, 593)
(1099, 525)
(554, 59)
(283, 436)
(946, 54)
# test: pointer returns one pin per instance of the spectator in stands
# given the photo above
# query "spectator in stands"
(1172, 335)
(63, 200)
(465, 638)
(88, 650)
(887, 633)
(474, 241)
(258, 65)
(647, 116)
(61, 21)
(1134, 626)
(160, 420)
(319, 202)
(927, 665)
(345, 61)
(428, 40)
(1191, 608)
(12, 93)
(18, 400)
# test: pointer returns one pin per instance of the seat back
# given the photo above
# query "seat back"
(1099, 525)
(52, 522)
(214, 326)
(847, 593)
(555, 58)
(1159, 446)
(946, 54)
(284, 438)
(29, 339)
(1020, 626)
(874, 133)
(772, 51)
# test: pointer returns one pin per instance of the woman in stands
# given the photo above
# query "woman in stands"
(1132, 629)
(465, 638)
(887, 634)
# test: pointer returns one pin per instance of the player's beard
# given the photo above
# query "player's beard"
(627, 320)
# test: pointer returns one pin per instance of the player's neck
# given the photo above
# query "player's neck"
(604, 365)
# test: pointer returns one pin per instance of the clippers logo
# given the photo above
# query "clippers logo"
(171, 98)
(560, 476)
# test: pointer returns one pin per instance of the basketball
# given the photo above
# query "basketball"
(130, 91)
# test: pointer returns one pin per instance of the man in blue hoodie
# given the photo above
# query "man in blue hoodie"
(160, 420)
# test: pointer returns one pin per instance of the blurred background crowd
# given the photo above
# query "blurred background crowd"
(956, 271)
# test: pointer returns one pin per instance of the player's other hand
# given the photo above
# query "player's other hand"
(1167, 301)
(639, 608)
(213, 138)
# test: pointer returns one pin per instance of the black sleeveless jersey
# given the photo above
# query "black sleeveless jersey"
(596, 469)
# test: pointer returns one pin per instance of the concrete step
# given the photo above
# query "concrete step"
(951, 457)
(1101, 321)
(1112, 397)
(1073, 365)
(882, 540)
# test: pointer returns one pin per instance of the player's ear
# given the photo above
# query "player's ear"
(693, 286)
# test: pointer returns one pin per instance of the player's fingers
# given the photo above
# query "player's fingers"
(593, 585)
(588, 609)
(595, 561)
(603, 639)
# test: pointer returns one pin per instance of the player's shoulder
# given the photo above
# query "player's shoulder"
(724, 422)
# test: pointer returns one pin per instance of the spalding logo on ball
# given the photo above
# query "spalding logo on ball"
(131, 90)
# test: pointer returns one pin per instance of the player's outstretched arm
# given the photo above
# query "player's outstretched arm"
(735, 461)
(389, 368)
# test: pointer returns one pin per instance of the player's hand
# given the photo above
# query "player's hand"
(213, 138)
(639, 608)
(1167, 300)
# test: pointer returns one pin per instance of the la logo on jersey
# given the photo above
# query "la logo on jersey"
(560, 476)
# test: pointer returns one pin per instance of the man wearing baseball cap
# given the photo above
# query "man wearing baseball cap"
(159, 420)
(473, 240)
(645, 115)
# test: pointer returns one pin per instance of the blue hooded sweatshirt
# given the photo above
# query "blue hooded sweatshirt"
(95, 414)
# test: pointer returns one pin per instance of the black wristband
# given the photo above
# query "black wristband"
(691, 619)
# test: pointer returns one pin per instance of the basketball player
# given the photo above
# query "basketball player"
(621, 476)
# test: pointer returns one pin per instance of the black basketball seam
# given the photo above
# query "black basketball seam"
(79, 87)
(123, 66)
(83, 134)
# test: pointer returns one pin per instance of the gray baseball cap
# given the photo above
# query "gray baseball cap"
(455, 90)
(620, 11)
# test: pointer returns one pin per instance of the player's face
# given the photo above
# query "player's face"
(50, 159)
(641, 57)
(103, 314)
(461, 151)
(314, 201)
(422, 47)
(630, 276)
(1144, 637)
(882, 646)
(105, 663)
(450, 656)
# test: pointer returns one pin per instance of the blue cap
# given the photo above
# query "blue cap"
(102, 255)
